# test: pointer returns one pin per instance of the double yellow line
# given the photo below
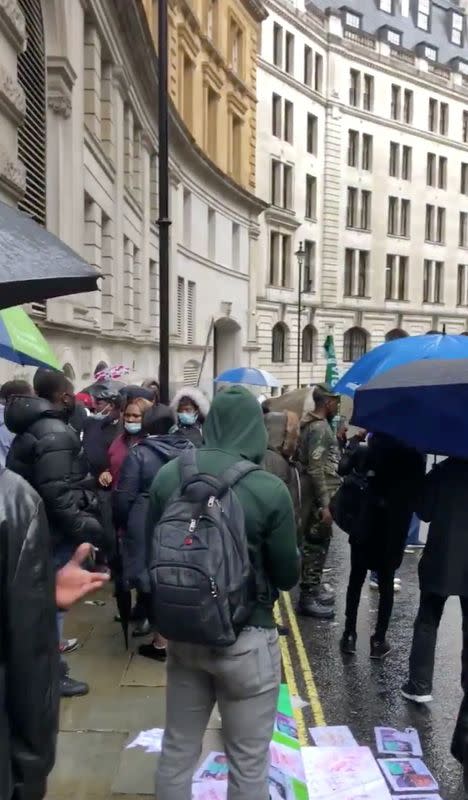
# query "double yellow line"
(302, 663)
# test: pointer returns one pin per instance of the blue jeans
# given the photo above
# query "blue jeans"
(413, 533)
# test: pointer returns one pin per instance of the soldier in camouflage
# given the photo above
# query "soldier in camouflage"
(319, 456)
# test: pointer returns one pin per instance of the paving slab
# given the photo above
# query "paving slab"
(86, 765)
(142, 671)
(125, 709)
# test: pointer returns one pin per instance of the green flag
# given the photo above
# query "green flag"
(331, 375)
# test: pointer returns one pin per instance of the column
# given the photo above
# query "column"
(107, 265)
(128, 147)
(92, 80)
(107, 122)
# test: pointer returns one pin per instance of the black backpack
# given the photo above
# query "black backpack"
(203, 585)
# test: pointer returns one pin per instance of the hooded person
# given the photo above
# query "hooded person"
(191, 408)
(243, 678)
(10, 389)
(283, 437)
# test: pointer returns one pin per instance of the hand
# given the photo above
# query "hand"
(326, 516)
(72, 582)
(105, 479)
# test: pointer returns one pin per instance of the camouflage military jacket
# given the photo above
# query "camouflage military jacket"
(319, 455)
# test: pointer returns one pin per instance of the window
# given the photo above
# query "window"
(405, 217)
(191, 304)
(368, 96)
(433, 281)
(442, 172)
(289, 66)
(212, 124)
(431, 169)
(311, 197)
(212, 20)
(308, 62)
(312, 134)
(212, 234)
(352, 20)
(394, 168)
(351, 213)
(457, 29)
(236, 147)
(276, 121)
(465, 127)
(277, 45)
(464, 179)
(280, 259)
(276, 168)
(354, 344)
(288, 121)
(394, 37)
(318, 78)
(180, 306)
(433, 108)
(187, 91)
(444, 119)
(386, 5)
(395, 103)
(366, 161)
(235, 246)
(408, 106)
(308, 344)
(430, 52)
(236, 43)
(396, 274)
(406, 163)
(353, 148)
(423, 13)
(354, 88)
(430, 216)
(393, 216)
(275, 239)
(309, 266)
(463, 229)
(356, 272)
(278, 343)
(187, 214)
(366, 200)
(287, 186)
(440, 232)
(462, 285)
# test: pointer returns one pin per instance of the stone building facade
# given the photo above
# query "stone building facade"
(363, 152)
(78, 131)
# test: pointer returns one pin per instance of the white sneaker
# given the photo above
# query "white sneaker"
(373, 584)
(397, 584)
(421, 699)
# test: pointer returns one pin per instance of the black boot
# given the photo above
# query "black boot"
(309, 606)
(324, 594)
(379, 650)
(348, 643)
(72, 688)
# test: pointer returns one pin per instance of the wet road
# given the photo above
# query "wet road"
(363, 694)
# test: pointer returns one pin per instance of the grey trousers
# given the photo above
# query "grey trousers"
(244, 680)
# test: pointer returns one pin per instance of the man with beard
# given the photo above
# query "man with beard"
(47, 452)
(319, 457)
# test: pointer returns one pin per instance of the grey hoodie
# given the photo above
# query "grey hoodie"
(6, 437)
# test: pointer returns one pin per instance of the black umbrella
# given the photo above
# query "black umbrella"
(106, 388)
(35, 264)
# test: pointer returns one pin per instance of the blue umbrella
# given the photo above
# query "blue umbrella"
(249, 376)
(401, 351)
(423, 404)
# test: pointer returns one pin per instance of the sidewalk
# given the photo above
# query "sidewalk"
(127, 695)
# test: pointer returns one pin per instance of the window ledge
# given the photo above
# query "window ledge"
(358, 230)
(398, 236)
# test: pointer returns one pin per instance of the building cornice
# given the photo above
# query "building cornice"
(256, 9)
(12, 23)
(12, 97)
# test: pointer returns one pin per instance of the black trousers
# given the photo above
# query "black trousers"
(421, 663)
(357, 577)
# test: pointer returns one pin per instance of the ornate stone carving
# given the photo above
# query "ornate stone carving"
(12, 174)
(60, 80)
(59, 104)
(12, 23)
(12, 97)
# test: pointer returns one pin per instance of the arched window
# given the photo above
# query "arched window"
(437, 332)
(69, 372)
(191, 372)
(32, 133)
(355, 344)
(278, 343)
(308, 344)
(395, 333)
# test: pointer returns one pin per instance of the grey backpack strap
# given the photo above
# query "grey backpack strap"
(234, 474)
(188, 466)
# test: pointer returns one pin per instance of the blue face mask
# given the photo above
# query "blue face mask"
(132, 427)
(187, 417)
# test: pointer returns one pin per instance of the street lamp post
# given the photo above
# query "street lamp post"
(300, 253)
(163, 220)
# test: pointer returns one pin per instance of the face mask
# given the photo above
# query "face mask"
(132, 427)
(101, 415)
(187, 417)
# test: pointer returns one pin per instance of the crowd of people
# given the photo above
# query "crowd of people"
(205, 514)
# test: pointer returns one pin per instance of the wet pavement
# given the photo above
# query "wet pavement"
(362, 694)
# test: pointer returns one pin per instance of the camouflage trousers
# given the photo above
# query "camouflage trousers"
(315, 545)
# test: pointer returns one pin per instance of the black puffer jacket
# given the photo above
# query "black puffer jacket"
(47, 453)
(131, 498)
(28, 643)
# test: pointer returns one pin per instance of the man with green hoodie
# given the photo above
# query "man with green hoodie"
(243, 678)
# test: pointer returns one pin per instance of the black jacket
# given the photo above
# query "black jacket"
(443, 568)
(98, 436)
(395, 474)
(47, 453)
(131, 498)
(28, 643)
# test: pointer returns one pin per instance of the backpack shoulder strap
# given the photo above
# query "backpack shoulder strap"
(188, 466)
(234, 474)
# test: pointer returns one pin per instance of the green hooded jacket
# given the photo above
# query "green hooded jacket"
(234, 430)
